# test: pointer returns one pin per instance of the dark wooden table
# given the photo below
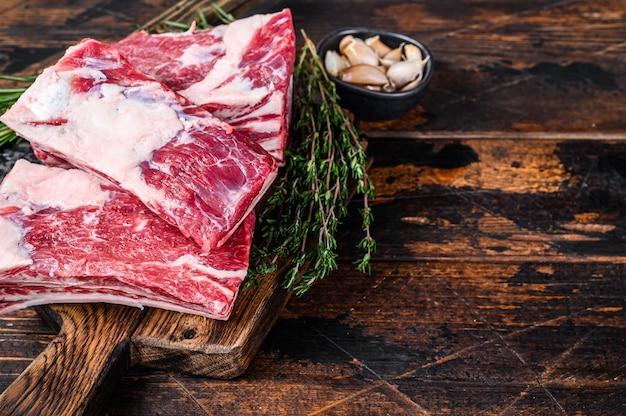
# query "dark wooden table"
(498, 286)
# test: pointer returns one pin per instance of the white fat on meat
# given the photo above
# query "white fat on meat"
(34, 187)
(242, 72)
(196, 54)
(14, 256)
(93, 123)
(237, 37)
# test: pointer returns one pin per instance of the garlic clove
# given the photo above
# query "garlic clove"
(335, 63)
(411, 52)
(387, 62)
(393, 55)
(363, 74)
(378, 45)
(344, 42)
(403, 72)
(357, 52)
(413, 83)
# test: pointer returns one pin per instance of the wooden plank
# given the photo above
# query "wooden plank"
(74, 373)
(23, 336)
(496, 201)
(496, 135)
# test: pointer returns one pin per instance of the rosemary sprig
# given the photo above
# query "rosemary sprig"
(324, 161)
(8, 96)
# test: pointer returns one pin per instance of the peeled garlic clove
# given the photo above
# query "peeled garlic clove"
(403, 72)
(411, 52)
(358, 52)
(363, 74)
(378, 45)
(335, 63)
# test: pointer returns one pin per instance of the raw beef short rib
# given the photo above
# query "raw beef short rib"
(96, 111)
(241, 72)
(69, 236)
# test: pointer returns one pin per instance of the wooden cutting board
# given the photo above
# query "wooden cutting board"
(96, 343)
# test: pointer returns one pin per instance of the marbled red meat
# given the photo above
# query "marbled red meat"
(241, 72)
(68, 236)
(96, 111)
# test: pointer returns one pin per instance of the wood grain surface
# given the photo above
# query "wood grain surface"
(498, 284)
(76, 370)
(194, 345)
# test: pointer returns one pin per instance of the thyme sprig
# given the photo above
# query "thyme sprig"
(325, 160)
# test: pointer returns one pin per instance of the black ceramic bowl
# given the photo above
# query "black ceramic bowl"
(370, 105)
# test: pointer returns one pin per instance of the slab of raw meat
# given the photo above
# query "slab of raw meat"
(99, 113)
(241, 72)
(69, 236)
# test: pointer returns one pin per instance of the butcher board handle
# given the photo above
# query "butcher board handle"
(73, 374)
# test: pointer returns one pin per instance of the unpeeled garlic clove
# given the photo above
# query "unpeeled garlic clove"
(357, 52)
(378, 45)
(345, 41)
(403, 72)
(335, 63)
(413, 83)
(373, 65)
(393, 56)
(363, 74)
(387, 62)
(411, 52)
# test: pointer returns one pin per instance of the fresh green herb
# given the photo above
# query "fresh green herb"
(8, 96)
(325, 161)
(221, 14)
(171, 22)
(171, 26)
